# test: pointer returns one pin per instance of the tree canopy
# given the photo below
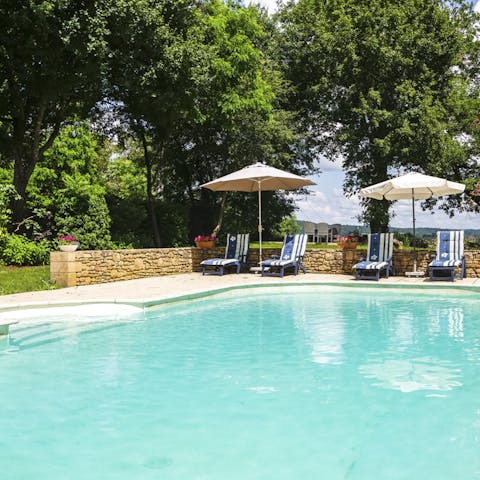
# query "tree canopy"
(51, 62)
(113, 113)
(387, 86)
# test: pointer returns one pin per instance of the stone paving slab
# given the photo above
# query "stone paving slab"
(152, 289)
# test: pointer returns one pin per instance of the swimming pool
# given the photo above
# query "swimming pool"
(284, 383)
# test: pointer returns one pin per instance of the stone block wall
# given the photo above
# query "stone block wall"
(403, 262)
(70, 269)
(199, 254)
(87, 267)
(472, 262)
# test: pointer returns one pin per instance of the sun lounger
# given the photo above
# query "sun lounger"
(236, 254)
(293, 250)
(378, 259)
(449, 255)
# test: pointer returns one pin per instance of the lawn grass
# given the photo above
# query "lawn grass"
(324, 246)
(332, 246)
(25, 279)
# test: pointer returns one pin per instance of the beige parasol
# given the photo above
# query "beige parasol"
(257, 178)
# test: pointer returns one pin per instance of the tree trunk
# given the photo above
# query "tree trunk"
(150, 197)
(24, 165)
(28, 150)
(220, 215)
(378, 215)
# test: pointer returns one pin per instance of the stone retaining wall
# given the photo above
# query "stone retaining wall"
(70, 269)
(86, 267)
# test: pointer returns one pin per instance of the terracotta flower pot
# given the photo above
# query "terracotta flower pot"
(347, 245)
(205, 243)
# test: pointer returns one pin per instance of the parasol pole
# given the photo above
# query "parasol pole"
(260, 220)
(414, 241)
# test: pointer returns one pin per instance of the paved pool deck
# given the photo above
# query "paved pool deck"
(148, 290)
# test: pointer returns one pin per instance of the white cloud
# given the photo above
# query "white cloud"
(327, 165)
(330, 208)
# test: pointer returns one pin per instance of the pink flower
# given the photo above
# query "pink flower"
(202, 238)
(63, 239)
(347, 238)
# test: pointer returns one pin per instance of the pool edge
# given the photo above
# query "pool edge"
(147, 303)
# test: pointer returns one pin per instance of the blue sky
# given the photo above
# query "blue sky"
(327, 202)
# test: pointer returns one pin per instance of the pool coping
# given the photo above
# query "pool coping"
(154, 301)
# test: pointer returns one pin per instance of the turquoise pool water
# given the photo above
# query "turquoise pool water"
(317, 383)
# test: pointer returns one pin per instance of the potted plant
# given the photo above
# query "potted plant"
(205, 241)
(67, 243)
(347, 242)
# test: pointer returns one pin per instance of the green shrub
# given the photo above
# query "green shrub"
(173, 224)
(472, 242)
(82, 212)
(19, 250)
(288, 225)
(7, 193)
(407, 239)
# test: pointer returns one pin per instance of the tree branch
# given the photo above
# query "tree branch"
(220, 215)
(19, 224)
(37, 126)
(54, 134)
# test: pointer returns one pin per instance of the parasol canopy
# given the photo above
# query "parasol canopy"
(257, 178)
(412, 186)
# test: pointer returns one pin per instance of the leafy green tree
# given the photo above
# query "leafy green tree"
(150, 89)
(386, 85)
(83, 212)
(288, 225)
(241, 121)
(177, 74)
(66, 195)
(124, 179)
(51, 58)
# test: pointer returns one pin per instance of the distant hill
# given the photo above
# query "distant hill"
(421, 232)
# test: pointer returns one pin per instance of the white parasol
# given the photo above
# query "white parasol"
(414, 186)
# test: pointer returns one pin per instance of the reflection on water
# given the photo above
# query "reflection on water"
(446, 320)
(455, 323)
(4, 342)
(324, 333)
(327, 343)
(396, 343)
(413, 344)
(412, 375)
